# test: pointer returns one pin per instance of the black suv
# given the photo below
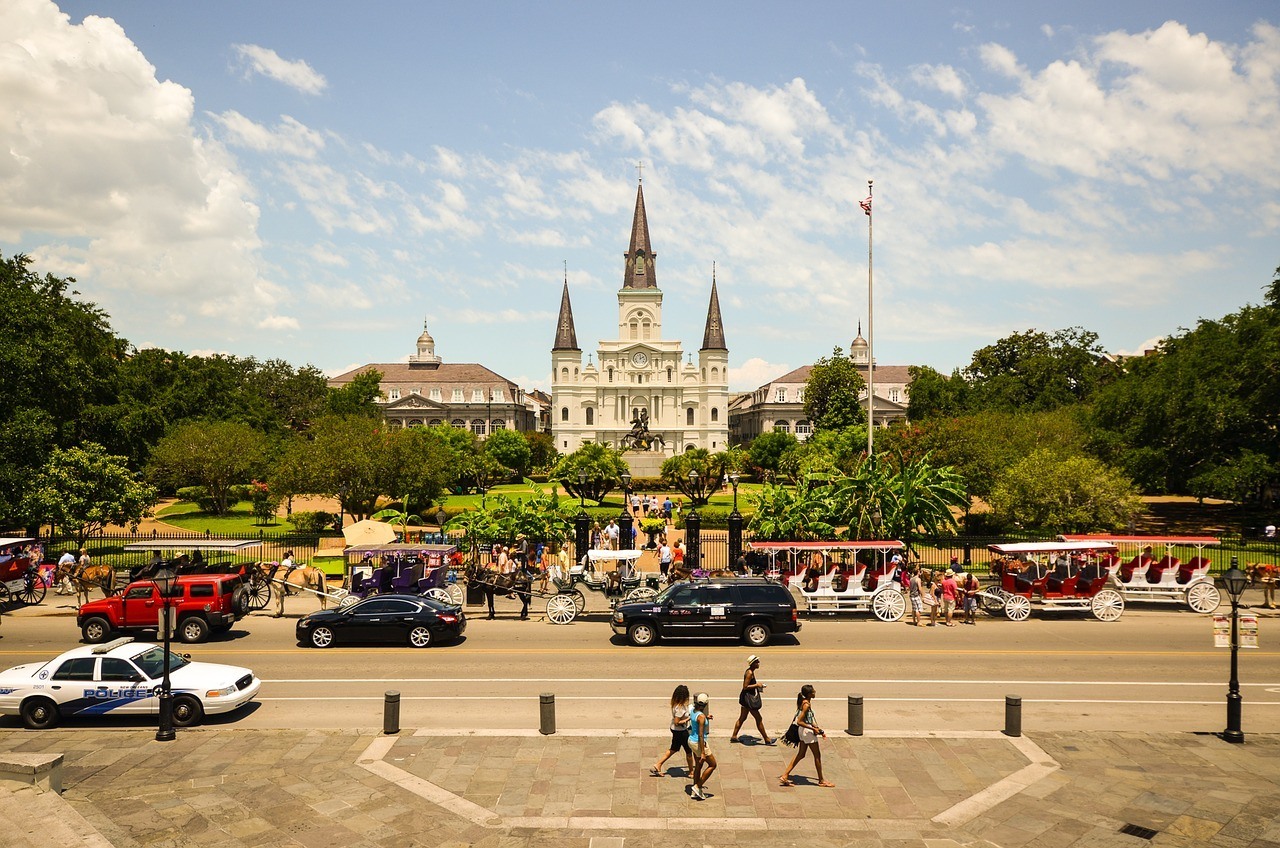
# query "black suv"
(749, 608)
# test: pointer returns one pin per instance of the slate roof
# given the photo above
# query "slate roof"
(713, 335)
(566, 334)
(647, 278)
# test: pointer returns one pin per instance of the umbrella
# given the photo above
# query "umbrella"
(369, 532)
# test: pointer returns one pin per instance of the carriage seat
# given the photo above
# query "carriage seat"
(1062, 580)
(1031, 578)
(1141, 562)
(1197, 567)
(1166, 565)
(874, 576)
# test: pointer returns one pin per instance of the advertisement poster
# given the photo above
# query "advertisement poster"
(1248, 631)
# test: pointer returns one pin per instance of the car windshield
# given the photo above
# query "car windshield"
(151, 661)
(435, 604)
(666, 593)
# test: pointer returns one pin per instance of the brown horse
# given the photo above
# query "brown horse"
(682, 572)
(84, 580)
(294, 582)
(1268, 575)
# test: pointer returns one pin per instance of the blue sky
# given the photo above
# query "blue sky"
(313, 180)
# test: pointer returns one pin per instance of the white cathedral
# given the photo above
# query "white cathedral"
(640, 374)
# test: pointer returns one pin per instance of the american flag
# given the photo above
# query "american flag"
(866, 206)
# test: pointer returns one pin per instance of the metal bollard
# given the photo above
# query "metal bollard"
(391, 713)
(546, 714)
(855, 715)
(1012, 715)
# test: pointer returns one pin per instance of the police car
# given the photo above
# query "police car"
(121, 677)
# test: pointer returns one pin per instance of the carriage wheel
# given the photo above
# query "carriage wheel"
(1203, 598)
(454, 591)
(993, 600)
(579, 599)
(4, 595)
(435, 593)
(561, 609)
(888, 605)
(1107, 605)
(639, 596)
(32, 591)
(259, 593)
(1017, 607)
(348, 601)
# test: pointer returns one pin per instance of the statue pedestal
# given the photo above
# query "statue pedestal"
(645, 463)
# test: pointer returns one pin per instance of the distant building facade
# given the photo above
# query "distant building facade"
(640, 374)
(779, 404)
(426, 392)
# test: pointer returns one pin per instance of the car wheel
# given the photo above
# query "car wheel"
(187, 711)
(39, 713)
(756, 634)
(420, 637)
(96, 630)
(322, 637)
(642, 634)
(192, 630)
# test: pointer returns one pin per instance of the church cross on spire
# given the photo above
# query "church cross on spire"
(566, 335)
(713, 335)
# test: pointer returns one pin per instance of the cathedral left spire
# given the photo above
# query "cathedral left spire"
(566, 335)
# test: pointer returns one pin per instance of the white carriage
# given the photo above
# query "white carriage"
(1057, 576)
(1167, 580)
(612, 574)
(831, 577)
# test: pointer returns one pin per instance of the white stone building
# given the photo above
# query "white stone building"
(640, 372)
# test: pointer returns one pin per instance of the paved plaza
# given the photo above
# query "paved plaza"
(227, 787)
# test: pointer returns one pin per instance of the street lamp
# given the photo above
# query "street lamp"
(164, 580)
(734, 477)
(735, 525)
(1234, 581)
(693, 525)
(582, 485)
(625, 521)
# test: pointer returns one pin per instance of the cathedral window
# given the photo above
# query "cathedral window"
(715, 415)
(645, 327)
(564, 413)
(564, 374)
(634, 326)
(688, 417)
(591, 416)
(715, 375)
(575, 373)
(611, 374)
(668, 373)
(639, 263)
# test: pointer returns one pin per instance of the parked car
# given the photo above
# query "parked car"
(204, 604)
(748, 608)
(399, 619)
(122, 677)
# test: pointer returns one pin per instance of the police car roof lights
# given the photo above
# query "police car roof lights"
(107, 647)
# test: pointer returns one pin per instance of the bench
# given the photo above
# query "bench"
(42, 771)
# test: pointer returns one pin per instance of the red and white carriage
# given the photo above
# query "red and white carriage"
(20, 578)
(840, 576)
(1167, 579)
(1056, 576)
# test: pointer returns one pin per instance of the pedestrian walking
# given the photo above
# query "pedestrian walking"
(807, 736)
(950, 591)
(680, 721)
(751, 699)
(970, 589)
(913, 591)
(597, 536)
(929, 592)
(664, 558)
(611, 535)
(704, 761)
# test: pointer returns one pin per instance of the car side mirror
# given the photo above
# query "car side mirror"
(186, 656)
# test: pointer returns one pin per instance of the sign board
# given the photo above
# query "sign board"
(1248, 631)
(173, 619)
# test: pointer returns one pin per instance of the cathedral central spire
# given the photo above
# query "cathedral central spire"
(639, 273)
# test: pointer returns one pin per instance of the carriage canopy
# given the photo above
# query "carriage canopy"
(1096, 546)
(865, 545)
(192, 544)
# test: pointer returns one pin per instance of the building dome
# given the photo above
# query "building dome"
(426, 354)
(859, 348)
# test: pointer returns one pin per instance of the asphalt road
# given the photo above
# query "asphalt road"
(1153, 670)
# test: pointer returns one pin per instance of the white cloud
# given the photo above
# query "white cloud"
(279, 322)
(296, 74)
(754, 373)
(289, 137)
(1152, 343)
(943, 78)
(107, 177)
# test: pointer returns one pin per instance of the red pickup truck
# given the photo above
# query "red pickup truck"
(204, 604)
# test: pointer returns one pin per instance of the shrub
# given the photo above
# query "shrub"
(199, 496)
(713, 518)
(312, 522)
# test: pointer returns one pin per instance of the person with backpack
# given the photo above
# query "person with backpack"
(680, 720)
(704, 762)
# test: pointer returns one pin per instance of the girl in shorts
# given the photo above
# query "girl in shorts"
(679, 730)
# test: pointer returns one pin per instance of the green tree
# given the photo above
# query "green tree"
(784, 513)
(1074, 494)
(1036, 371)
(710, 471)
(934, 395)
(542, 448)
(511, 449)
(359, 397)
(831, 394)
(825, 453)
(767, 449)
(82, 490)
(602, 466)
(212, 454)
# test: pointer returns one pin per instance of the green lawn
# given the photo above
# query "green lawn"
(239, 521)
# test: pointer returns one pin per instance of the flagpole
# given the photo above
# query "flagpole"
(871, 336)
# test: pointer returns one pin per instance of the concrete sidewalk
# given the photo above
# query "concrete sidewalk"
(227, 787)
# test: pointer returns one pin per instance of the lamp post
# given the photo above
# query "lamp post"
(342, 510)
(1234, 581)
(625, 521)
(735, 524)
(164, 581)
(582, 529)
(582, 485)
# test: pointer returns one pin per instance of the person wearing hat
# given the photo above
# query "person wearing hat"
(751, 699)
(704, 762)
(956, 566)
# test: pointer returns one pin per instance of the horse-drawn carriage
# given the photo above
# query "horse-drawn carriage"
(1055, 575)
(1167, 580)
(404, 568)
(20, 578)
(842, 576)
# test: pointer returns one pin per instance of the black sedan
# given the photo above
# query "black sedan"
(385, 618)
